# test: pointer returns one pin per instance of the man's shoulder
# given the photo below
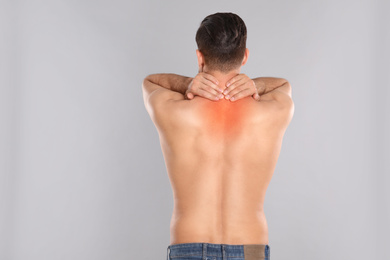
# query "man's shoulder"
(279, 98)
(279, 106)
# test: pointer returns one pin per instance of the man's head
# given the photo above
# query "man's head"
(221, 40)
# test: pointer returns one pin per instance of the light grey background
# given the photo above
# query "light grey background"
(82, 173)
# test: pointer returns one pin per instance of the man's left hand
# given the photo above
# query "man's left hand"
(204, 85)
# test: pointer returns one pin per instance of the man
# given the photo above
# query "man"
(221, 134)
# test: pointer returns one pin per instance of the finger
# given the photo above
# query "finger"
(210, 86)
(256, 97)
(253, 85)
(233, 86)
(190, 95)
(234, 79)
(210, 78)
(211, 90)
(241, 94)
(235, 91)
(206, 94)
(213, 82)
(243, 83)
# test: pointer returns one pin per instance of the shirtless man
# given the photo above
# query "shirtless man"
(221, 134)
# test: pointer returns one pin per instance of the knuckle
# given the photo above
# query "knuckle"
(209, 89)
(238, 88)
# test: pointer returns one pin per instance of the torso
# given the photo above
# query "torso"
(220, 157)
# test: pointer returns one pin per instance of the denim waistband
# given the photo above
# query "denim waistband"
(217, 250)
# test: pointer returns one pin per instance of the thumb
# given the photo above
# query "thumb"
(190, 95)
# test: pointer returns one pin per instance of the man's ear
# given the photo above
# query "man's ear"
(246, 55)
(200, 60)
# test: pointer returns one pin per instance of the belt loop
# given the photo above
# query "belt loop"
(204, 251)
(168, 253)
(223, 253)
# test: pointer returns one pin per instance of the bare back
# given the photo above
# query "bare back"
(220, 157)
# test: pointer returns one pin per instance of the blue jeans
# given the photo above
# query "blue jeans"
(208, 251)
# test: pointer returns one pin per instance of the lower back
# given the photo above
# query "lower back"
(220, 159)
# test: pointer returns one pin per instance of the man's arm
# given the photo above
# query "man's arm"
(173, 82)
(170, 85)
(265, 85)
(159, 88)
(279, 90)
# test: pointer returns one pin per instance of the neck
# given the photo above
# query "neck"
(222, 78)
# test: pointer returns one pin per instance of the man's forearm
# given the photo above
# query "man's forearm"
(171, 81)
(267, 84)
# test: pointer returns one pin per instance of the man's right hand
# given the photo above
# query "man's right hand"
(204, 85)
(241, 86)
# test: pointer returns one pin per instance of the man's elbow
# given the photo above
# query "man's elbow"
(289, 89)
(286, 88)
(149, 82)
(149, 78)
(148, 87)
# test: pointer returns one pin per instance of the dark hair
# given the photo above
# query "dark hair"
(221, 38)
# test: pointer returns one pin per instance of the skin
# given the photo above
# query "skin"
(220, 153)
